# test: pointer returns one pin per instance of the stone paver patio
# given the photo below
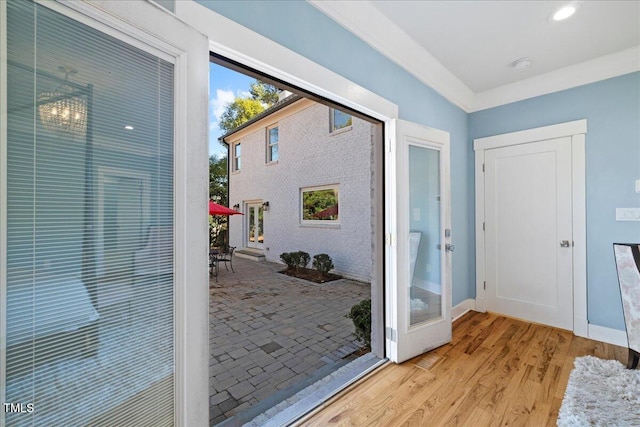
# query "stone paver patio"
(269, 332)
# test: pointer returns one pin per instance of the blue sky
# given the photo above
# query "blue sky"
(224, 86)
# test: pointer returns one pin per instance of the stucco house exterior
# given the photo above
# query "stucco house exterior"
(301, 174)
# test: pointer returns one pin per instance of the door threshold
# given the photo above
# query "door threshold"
(320, 391)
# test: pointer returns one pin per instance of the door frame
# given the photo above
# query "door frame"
(398, 328)
(576, 130)
(103, 174)
(246, 228)
(240, 44)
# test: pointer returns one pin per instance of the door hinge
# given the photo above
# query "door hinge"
(484, 284)
(483, 167)
(392, 334)
(390, 239)
(483, 229)
(388, 145)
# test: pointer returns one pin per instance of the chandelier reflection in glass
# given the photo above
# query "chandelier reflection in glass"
(64, 109)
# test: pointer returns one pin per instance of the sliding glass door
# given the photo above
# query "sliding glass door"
(89, 265)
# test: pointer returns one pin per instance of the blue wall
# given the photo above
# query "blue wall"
(612, 110)
(302, 28)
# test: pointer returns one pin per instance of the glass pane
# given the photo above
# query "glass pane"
(252, 224)
(320, 205)
(237, 156)
(425, 292)
(341, 120)
(89, 284)
(273, 136)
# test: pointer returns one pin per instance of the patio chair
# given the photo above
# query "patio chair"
(214, 264)
(227, 257)
(627, 258)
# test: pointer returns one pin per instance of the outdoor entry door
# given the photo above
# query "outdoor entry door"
(528, 231)
(255, 225)
(419, 299)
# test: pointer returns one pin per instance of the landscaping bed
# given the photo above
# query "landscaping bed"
(310, 275)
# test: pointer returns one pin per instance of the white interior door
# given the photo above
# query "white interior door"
(528, 231)
(419, 295)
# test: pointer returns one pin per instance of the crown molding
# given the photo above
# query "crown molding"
(367, 23)
(602, 68)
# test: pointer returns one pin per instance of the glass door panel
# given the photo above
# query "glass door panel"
(419, 295)
(425, 292)
(89, 267)
(255, 225)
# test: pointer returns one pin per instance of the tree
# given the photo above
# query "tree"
(218, 179)
(219, 194)
(265, 93)
(241, 110)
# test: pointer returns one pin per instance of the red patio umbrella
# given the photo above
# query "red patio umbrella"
(216, 209)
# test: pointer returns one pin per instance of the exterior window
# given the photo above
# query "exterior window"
(272, 144)
(340, 120)
(320, 204)
(236, 157)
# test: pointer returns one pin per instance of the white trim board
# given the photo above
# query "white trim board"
(608, 335)
(462, 308)
(238, 43)
(366, 22)
(576, 130)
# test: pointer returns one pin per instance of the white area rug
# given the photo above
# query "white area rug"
(601, 393)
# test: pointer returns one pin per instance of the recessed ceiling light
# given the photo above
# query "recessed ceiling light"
(522, 63)
(566, 11)
(128, 127)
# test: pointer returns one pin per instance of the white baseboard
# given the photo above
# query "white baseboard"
(462, 308)
(608, 335)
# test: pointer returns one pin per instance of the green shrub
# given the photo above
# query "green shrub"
(360, 314)
(288, 258)
(295, 260)
(322, 263)
(303, 259)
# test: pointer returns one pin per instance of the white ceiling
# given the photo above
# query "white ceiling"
(464, 49)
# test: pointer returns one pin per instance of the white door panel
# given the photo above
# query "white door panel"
(419, 296)
(528, 215)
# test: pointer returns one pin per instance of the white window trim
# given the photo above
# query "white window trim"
(319, 223)
(269, 144)
(150, 28)
(234, 158)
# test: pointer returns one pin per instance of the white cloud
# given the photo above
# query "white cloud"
(223, 97)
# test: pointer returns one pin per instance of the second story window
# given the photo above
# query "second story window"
(272, 144)
(236, 157)
(339, 120)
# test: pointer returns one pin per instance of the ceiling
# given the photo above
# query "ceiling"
(466, 49)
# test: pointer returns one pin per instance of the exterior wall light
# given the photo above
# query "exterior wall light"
(265, 206)
(236, 207)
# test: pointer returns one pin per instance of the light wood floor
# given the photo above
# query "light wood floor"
(496, 372)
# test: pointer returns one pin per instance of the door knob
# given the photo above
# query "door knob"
(564, 243)
(449, 247)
